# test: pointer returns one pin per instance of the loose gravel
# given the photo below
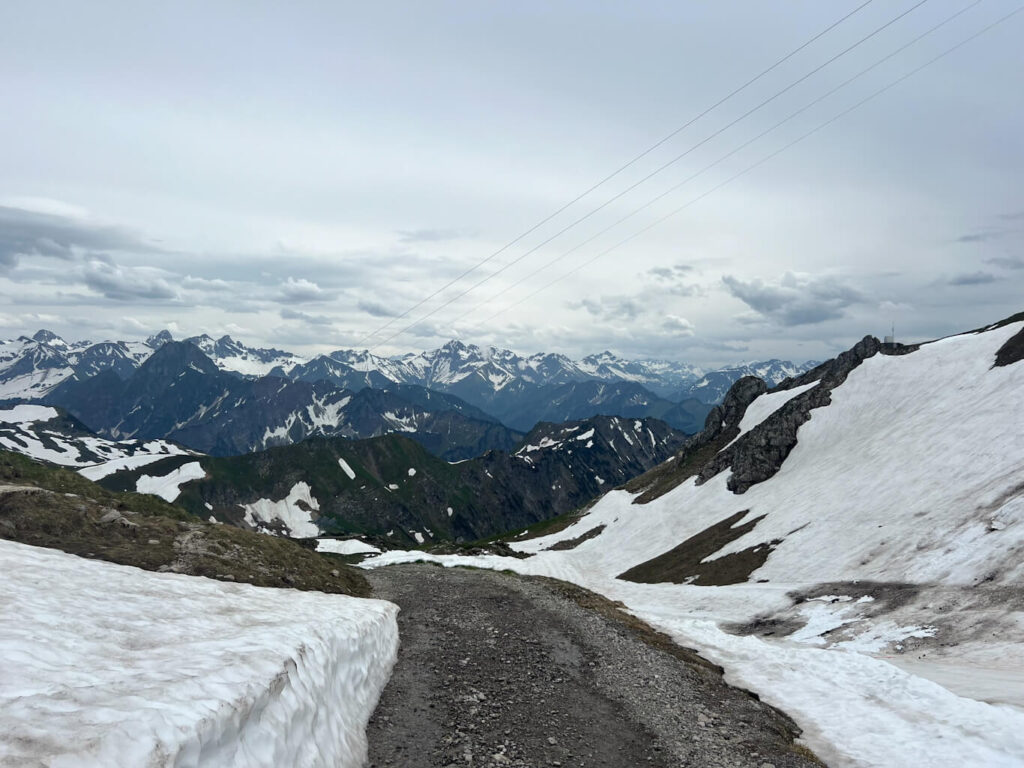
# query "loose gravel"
(498, 670)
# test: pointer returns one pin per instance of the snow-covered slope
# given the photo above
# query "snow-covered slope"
(231, 355)
(106, 665)
(43, 433)
(872, 586)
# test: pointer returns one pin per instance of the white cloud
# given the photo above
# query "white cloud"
(302, 290)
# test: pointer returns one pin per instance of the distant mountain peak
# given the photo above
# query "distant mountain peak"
(157, 340)
(44, 336)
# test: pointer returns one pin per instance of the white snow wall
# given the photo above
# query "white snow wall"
(106, 665)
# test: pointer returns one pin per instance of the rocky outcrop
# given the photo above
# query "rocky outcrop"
(1012, 351)
(720, 427)
(759, 453)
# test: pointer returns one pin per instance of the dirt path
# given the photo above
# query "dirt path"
(499, 670)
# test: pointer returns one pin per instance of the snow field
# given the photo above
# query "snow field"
(27, 414)
(106, 665)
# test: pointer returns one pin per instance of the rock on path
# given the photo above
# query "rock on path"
(497, 670)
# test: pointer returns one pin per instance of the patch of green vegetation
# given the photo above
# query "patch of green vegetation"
(63, 510)
(687, 563)
(16, 469)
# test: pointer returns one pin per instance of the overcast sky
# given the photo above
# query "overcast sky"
(299, 174)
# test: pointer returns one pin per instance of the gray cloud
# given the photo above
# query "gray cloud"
(973, 278)
(30, 233)
(611, 307)
(376, 309)
(981, 237)
(292, 314)
(670, 280)
(1007, 262)
(126, 284)
(670, 273)
(795, 299)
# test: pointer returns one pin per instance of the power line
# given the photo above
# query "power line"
(653, 173)
(619, 170)
(721, 159)
(760, 162)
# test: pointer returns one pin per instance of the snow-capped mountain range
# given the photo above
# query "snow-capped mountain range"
(32, 366)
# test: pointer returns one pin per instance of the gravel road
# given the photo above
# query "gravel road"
(498, 670)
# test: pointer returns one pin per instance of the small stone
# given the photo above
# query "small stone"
(552, 740)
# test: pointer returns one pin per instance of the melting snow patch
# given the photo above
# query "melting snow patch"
(296, 520)
(347, 469)
(27, 414)
(412, 472)
(449, 512)
(345, 547)
(168, 487)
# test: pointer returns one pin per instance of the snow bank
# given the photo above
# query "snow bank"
(106, 665)
(345, 547)
(914, 473)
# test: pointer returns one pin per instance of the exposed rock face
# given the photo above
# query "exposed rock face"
(727, 416)
(1012, 351)
(759, 453)
(740, 395)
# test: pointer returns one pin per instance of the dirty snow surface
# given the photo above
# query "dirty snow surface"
(105, 665)
(888, 618)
